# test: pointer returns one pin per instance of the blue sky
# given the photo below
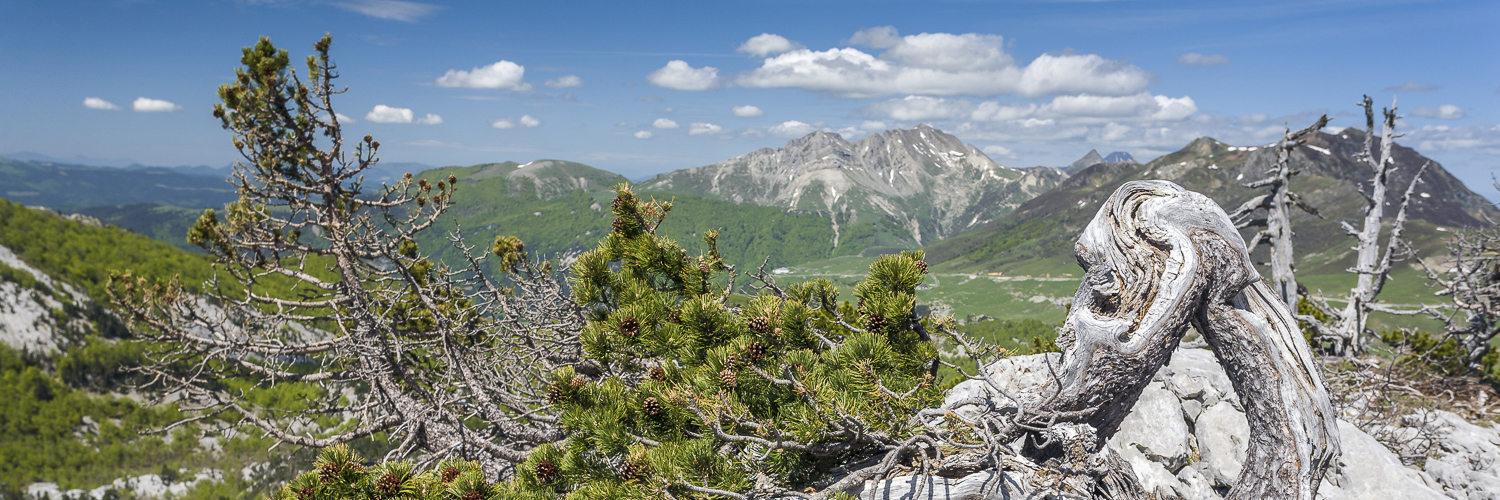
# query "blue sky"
(645, 88)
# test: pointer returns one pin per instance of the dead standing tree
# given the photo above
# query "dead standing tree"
(1373, 267)
(1158, 258)
(326, 291)
(1470, 278)
(1278, 205)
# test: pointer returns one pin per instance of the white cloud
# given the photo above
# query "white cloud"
(664, 123)
(525, 121)
(871, 125)
(644, 134)
(97, 103)
(920, 108)
(1069, 108)
(1196, 60)
(942, 64)
(343, 119)
(678, 75)
(430, 119)
(704, 129)
(153, 105)
(387, 114)
(1478, 138)
(389, 9)
(1413, 86)
(880, 37)
(1445, 112)
(501, 75)
(748, 111)
(565, 82)
(791, 128)
(766, 43)
(1001, 151)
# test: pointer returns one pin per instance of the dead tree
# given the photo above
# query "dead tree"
(1470, 278)
(1158, 259)
(321, 287)
(1278, 203)
(1348, 327)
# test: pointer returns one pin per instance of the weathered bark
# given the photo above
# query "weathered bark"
(1159, 257)
(1278, 205)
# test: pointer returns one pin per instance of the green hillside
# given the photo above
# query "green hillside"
(70, 187)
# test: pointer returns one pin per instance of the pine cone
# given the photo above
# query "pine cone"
(388, 485)
(306, 493)
(578, 381)
(922, 266)
(703, 266)
(635, 469)
(630, 327)
(861, 304)
(619, 225)
(875, 322)
(555, 394)
(658, 374)
(729, 377)
(652, 406)
(329, 472)
(449, 474)
(615, 205)
(675, 316)
(760, 324)
(755, 352)
(732, 361)
(472, 495)
(545, 471)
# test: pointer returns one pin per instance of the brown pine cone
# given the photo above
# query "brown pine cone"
(472, 495)
(546, 472)
(652, 406)
(731, 361)
(755, 352)
(449, 474)
(619, 225)
(578, 382)
(388, 485)
(760, 324)
(554, 394)
(630, 327)
(875, 322)
(703, 266)
(658, 374)
(922, 266)
(329, 472)
(675, 316)
(635, 469)
(306, 493)
(729, 377)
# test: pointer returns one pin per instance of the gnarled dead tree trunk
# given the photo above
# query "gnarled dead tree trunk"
(1159, 258)
(1278, 203)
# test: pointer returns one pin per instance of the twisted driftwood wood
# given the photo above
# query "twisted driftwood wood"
(1159, 258)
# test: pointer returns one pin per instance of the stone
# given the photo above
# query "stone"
(1223, 438)
(1156, 427)
(1369, 471)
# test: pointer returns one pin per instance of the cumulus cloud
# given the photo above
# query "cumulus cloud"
(395, 10)
(678, 75)
(525, 121)
(748, 111)
(565, 82)
(1413, 86)
(1070, 108)
(1444, 112)
(343, 118)
(97, 103)
(153, 105)
(504, 75)
(791, 128)
(387, 114)
(997, 150)
(644, 134)
(766, 43)
(942, 64)
(664, 123)
(1196, 60)
(871, 125)
(430, 119)
(704, 129)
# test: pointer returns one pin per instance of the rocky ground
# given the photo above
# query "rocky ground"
(1186, 438)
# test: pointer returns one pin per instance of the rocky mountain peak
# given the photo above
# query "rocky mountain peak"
(1087, 161)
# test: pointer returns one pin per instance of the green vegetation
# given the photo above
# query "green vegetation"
(164, 223)
(85, 255)
(70, 187)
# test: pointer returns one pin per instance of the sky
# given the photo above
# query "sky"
(645, 88)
